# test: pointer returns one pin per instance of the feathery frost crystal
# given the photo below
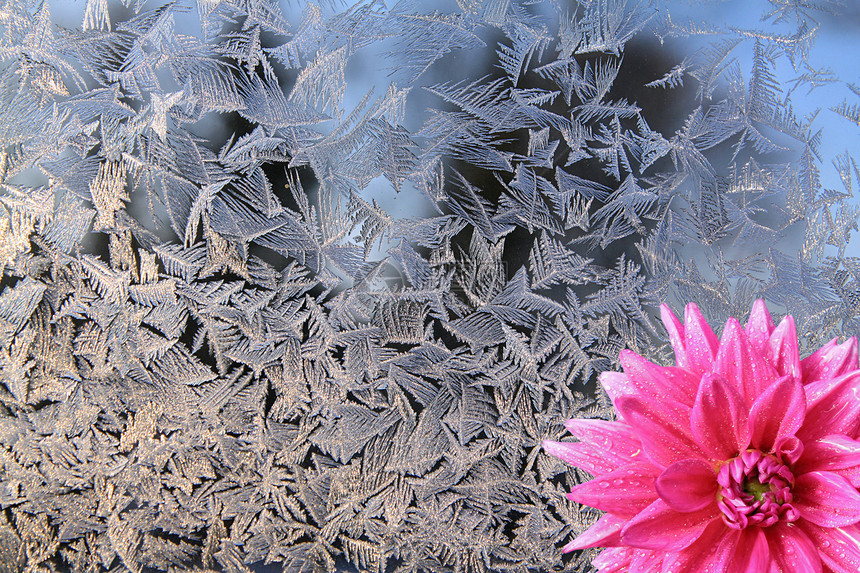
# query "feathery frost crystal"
(743, 457)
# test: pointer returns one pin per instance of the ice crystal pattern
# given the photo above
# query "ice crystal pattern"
(743, 457)
(262, 304)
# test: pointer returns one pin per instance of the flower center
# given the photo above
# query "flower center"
(755, 489)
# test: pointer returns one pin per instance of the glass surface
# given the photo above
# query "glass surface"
(304, 286)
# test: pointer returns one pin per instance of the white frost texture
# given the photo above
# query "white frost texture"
(301, 287)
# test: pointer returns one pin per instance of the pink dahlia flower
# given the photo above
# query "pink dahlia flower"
(742, 458)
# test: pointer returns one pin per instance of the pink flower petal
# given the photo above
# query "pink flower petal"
(834, 453)
(659, 381)
(710, 553)
(832, 408)
(662, 427)
(700, 342)
(624, 492)
(788, 449)
(614, 438)
(751, 552)
(676, 334)
(615, 560)
(605, 532)
(585, 456)
(777, 413)
(830, 361)
(660, 527)
(719, 419)
(644, 560)
(791, 549)
(838, 547)
(759, 326)
(826, 499)
(783, 353)
(617, 384)
(741, 365)
(688, 485)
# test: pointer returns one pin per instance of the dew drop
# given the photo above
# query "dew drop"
(825, 543)
(604, 484)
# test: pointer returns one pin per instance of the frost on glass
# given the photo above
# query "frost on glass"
(308, 285)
